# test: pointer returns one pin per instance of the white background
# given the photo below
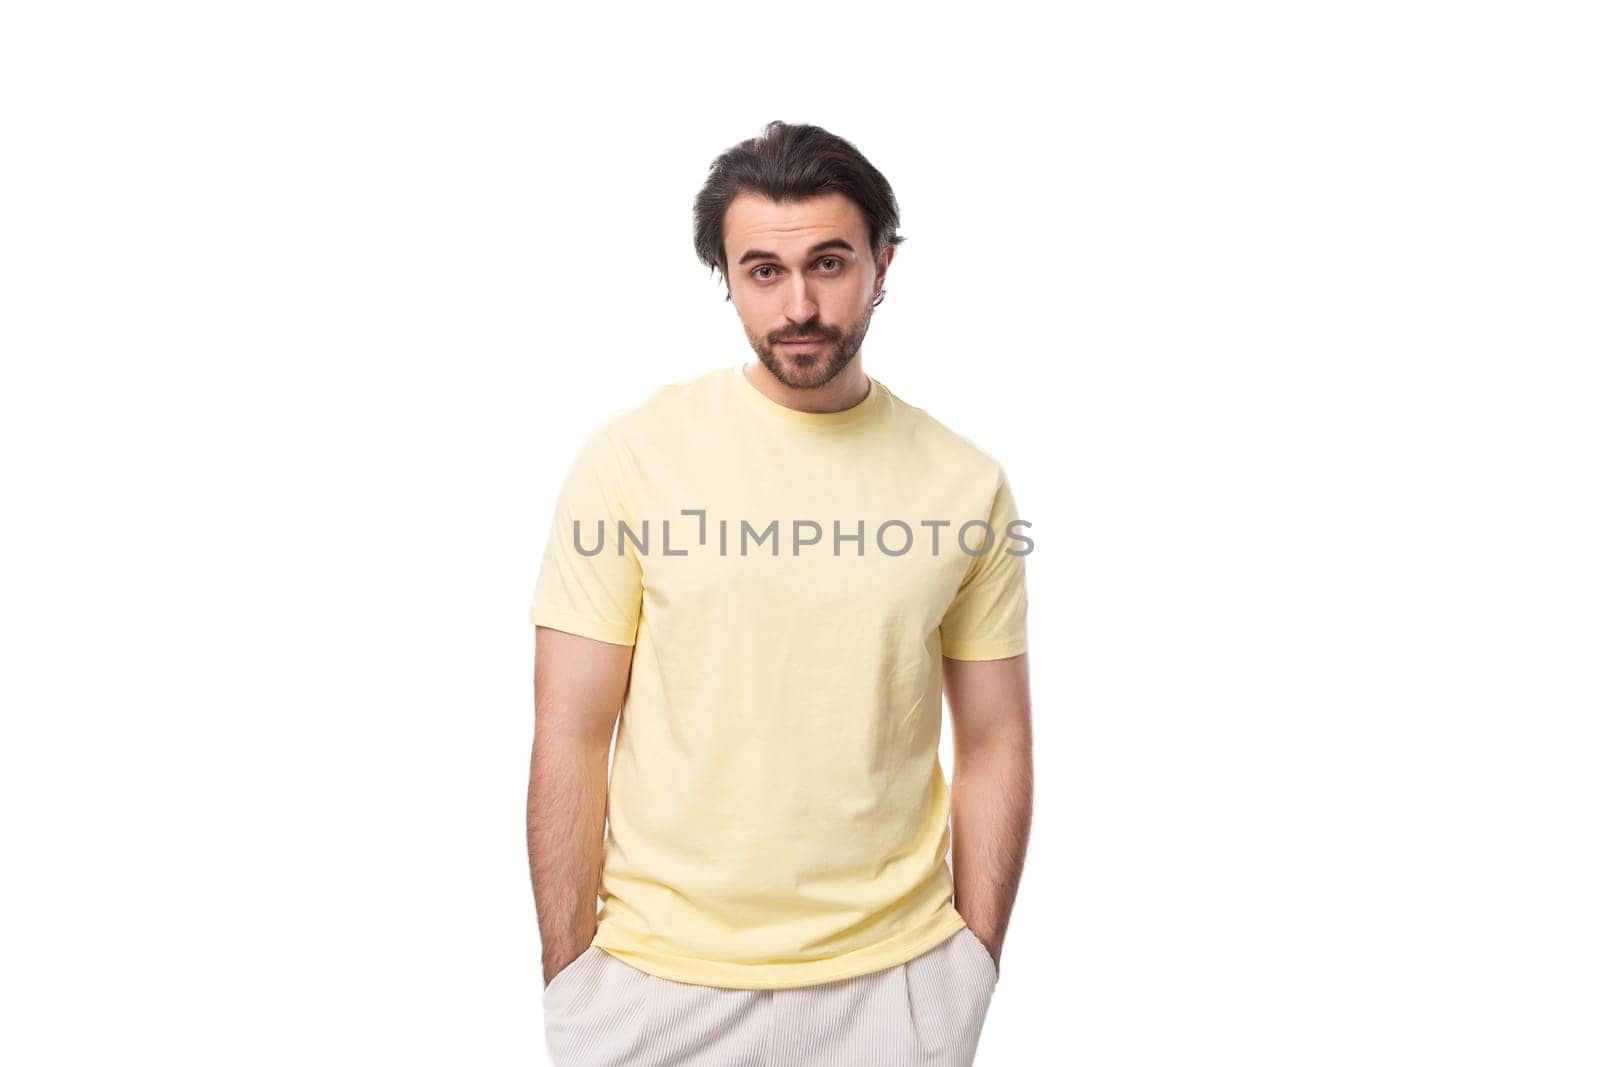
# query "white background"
(1282, 318)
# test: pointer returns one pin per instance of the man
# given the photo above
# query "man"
(774, 572)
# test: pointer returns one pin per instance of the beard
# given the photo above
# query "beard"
(812, 370)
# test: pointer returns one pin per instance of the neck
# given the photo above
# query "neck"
(843, 392)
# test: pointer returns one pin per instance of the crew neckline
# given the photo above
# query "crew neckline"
(817, 420)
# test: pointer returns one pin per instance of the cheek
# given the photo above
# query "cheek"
(845, 297)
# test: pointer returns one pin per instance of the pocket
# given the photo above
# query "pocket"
(565, 972)
(978, 946)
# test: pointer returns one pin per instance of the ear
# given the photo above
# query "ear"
(884, 259)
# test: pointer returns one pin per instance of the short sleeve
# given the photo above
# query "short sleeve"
(988, 617)
(590, 581)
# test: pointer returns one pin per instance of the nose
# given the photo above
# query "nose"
(799, 306)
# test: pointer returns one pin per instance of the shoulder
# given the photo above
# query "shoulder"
(937, 442)
(662, 410)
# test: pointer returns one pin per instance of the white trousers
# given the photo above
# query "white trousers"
(925, 1012)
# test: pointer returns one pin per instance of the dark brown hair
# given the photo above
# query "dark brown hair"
(786, 163)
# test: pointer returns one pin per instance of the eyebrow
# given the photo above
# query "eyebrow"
(821, 246)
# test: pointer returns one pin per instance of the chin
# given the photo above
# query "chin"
(813, 366)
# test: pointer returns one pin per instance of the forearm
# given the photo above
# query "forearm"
(991, 812)
(566, 837)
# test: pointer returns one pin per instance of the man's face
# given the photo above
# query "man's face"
(803, 269)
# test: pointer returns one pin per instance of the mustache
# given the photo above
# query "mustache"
(817, 334)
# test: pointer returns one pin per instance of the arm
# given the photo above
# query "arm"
(991, 791)
(578, 687)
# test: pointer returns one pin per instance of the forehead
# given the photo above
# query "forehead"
(753, 221)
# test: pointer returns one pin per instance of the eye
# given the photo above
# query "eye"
(756, 274)
(832, 259)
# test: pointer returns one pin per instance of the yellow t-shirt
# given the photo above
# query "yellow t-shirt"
(778, 816)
